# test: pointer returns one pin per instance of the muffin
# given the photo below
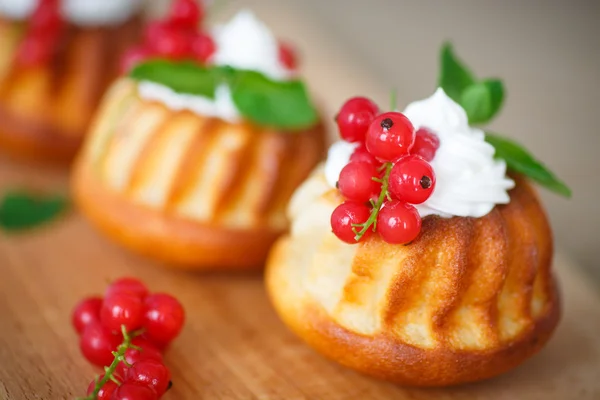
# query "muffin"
(192, 159)
(56, 60)
(413, 255)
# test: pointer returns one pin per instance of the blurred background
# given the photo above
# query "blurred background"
(546, 51)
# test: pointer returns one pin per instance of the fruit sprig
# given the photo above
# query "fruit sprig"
(387, 174)
(44, 30)
(180, 37)
(125, 332)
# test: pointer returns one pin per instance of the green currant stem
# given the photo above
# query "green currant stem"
(383, 196)
(109, 372)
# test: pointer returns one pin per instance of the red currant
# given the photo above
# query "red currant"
(148, 352)
(186, 13)
(133, 57)
(398, 222)
(46, 18)
(203, 47)
(354, 118)
(426, 144)
(412, 180)
(361, 154)
(155, 30)
(97, 344)
(87, 311)
(345, 216)
(122, 309)
(105, 392)
(133, 391)
(287, 56)
(390, 136)
(173, 45)
(163, 318)
(150, 373)
(356, 181)
(128, 285)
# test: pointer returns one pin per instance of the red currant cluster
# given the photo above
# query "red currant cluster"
(43, 33)
(126, 332)
(387, 173)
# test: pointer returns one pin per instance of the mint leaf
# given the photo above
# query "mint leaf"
(520, 160)
(482, 100)
(454, 77)
(21, 210)
(181, 76)
(282, 105)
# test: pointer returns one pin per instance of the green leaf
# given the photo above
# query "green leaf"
(520, 160)
(454, 77)
(282, 105)
(483, 100)
(20, 210)
(181, 76)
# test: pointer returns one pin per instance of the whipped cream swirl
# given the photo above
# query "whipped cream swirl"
(80, 12)
(469, 181)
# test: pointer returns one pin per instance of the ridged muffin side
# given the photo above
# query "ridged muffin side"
(206, 193)
(45, 110)
(469, 299)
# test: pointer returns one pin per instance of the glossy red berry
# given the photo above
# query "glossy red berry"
(186, 13)
(412, 180)
(105, 392)
(354, 118)
(133, 57)
(163, 318)
(87, 311)
(173, 45)
(426, 144)
(97, 344)
(133, 391)
(122, 309)
(390, 136)
(361, 154)
(287, 56)
(128, 285)
(356, 181)
(150, 373)
(148, 352)
(203, 47)
(345, 216)
(398, 222)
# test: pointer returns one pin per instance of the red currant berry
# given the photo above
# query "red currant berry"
(362, 155)
(133, 57)
(173, 45)
(287, 56)
(87, 311)
(356, 181)
(150, 373)
(46, 18)
(122, 309)
(345, 216)
(155, 30)
(412, 180)
(354, 118)
(426, 144)
(390, 136)
(148, 352)
(97, 344)
(163, 318)
(203, 47)
(186, 13)
(105, 392)
(398, 222)
(133, 391)
(128, 285)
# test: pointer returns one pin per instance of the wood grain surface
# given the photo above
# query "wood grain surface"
(233, 345)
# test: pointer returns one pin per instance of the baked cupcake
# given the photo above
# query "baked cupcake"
(193, 157)
(413, 256)
(56, 60)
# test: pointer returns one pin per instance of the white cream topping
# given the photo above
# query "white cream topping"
(80, 12)
(221, 106)
(246, 43)
(469, 181)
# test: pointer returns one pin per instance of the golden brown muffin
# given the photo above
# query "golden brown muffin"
(469, 299)
(191, 191)
(45, 110)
